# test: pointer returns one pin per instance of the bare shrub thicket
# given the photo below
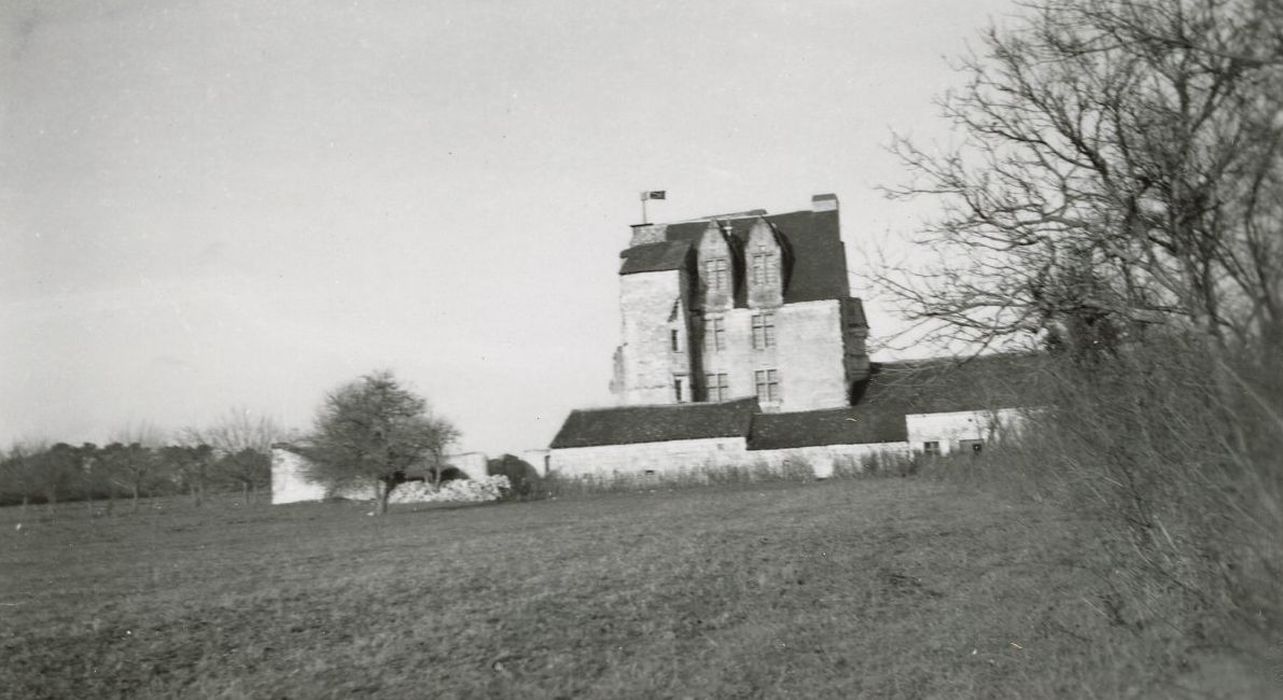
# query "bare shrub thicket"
(755, 471)
(1178, 476)
(1115, 197)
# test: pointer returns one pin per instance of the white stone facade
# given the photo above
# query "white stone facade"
(659, 457)
(954, 431)
(710, 319)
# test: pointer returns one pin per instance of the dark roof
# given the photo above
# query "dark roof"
(814, 254)
(632, 424)
(891, 391)
(652, 257)
(835, 426)
(896, 389)
(948, 384)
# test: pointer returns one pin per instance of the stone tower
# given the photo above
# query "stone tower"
(741, 305)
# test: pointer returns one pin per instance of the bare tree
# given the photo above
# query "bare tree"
(242, 446)
(131, 460)
(1121, 164)
(372, 431)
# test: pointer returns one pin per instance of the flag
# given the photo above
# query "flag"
(657, 194)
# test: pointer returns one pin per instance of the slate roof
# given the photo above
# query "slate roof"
(633, 424)
(653, 257)
(893, 390)
(947, 384)
(814, 255)
(835, 426)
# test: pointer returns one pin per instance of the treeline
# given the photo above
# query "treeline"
(88, 472)
(234, 455)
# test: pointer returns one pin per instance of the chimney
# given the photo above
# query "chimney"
(824, 202)
(648, 233)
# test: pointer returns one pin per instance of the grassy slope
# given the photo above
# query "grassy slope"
(878, 587)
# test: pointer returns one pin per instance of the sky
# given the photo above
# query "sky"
(216, 206)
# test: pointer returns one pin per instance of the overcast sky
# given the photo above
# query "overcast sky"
(208, 205)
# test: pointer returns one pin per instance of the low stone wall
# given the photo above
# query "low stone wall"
(824, 459)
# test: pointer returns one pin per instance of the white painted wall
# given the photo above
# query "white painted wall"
(949, 428)
(539, 459)
(662, 457)
(471, 463)
(290, 486)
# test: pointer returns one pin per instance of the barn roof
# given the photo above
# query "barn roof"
(814, 255)
(881, 402)
(633, 424)
(896, 389)
(947, 384)
(836, 426)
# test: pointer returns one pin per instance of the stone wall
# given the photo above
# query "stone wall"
(811, 356)
(648, 362)
(824, 459)
(638, 458)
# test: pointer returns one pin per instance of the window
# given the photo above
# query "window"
(715, 335)
(931, 447)
(764, 271)
(973, 447)
(718, 388)
(763, 331)
(677, 390)
(674, 340)
(768, 385)
(715, 274)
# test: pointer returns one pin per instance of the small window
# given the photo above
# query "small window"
(715, 335)
(763, 331)
(764, 271)
(675, 340)
(715, 274)
(650, 472)
(768, 385)
(677, 390)
(718, 387)
(931, 447)
(974, 447)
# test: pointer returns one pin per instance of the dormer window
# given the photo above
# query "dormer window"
(763, 258)
(764, 268)
(715, 275)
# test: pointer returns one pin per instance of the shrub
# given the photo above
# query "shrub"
(1172, 453)
(523, 477)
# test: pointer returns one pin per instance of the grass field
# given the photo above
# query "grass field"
(878, 588)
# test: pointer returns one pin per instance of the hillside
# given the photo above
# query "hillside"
(880, 587)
